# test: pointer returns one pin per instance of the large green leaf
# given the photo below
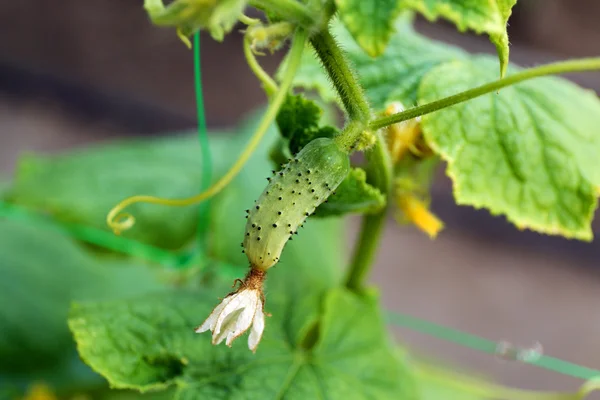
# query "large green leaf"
(82, 186)
(488, 16)
(148, 344)
(529, 152)
(41, 272)
(371, 22)
(394, 76)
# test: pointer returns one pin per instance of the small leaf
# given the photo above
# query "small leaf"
(529, 152)
(298, 121)
(354, 195)
(297, 115)
(371, 22)
(488, 17)
(149, 344)
(189, 16)
(299, 141)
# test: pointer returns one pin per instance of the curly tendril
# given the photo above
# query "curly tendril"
(120, 221)
(591, 385)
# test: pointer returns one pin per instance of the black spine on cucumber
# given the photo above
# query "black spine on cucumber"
(292, 194)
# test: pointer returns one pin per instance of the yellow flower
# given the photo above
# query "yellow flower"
(402, 136)
(418, 213)
(39, 391)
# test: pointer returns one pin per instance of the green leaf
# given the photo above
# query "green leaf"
(529, 152)
(298, 121)
(189, 16)
(82, 186)
(41, 272)
(488, 17)
(371, 22)
(297, 115)
(354, 195)
(148, 344)
(394, 76)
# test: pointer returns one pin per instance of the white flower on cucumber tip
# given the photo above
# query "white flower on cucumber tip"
(238, 312)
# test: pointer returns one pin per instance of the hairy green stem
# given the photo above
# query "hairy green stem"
(379, 165)
(584, 64)
(288, 10)
(336, 65)
(380, 174)
(364, 252)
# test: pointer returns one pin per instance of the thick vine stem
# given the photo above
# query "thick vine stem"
(119, 221)
(343, 78)
(584, 64)
(380, 173)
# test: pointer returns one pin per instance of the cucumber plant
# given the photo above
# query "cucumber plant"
(516, 142)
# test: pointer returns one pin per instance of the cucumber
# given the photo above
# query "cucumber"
(290, 197)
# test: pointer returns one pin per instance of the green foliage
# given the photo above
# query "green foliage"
(529, 152)
(298, 121)
(81, 187)
(394, 76)
(371, 22)
(297, 115)
(480, 16)
(41, 272)
(354, 195)
(189, 16)
(148, 344)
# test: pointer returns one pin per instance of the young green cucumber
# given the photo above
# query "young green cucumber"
(290, 197)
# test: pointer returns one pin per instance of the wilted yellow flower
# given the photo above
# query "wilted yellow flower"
(402, 136)
(418, 213)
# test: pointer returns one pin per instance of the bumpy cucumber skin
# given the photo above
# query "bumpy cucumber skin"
(291, 196)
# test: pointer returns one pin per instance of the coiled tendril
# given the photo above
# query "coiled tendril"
(120, 221)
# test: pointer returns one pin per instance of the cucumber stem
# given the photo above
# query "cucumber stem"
(561, 67)
(380, 175)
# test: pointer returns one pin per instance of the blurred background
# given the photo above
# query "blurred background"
(79, 72)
